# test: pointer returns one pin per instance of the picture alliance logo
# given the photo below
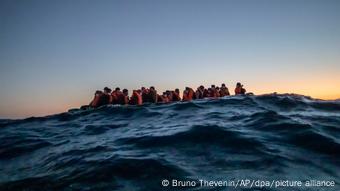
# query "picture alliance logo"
(247, 183)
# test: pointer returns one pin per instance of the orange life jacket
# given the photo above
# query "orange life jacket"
(95, 101)
(185, 96)
(239, 90)
(139, 99)
(190, 94)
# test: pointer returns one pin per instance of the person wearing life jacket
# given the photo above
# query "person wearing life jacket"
(145, 95)
(139, 96)
(108, 97)
(125, 98)
(120, 97)
(95, 102)
(175, 95)
(152, 95)
(224, 91)
(105, 97)
(217, 92)
(206, 93)
(239, 90)
(214, 92)
(114, 96)
(188, 94)
(164, 98)
(136, 98)
(168, 95)
(209, 93)
(200, 92)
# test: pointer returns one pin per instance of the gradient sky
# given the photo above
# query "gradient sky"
(55, 54)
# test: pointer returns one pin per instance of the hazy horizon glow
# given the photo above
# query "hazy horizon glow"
(55, 54)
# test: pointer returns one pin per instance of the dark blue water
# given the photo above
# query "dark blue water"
(271, 137)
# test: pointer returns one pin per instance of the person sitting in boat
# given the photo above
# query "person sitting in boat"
(188, 94)
(140, 99)
(152, 95)
(119, 97)
(224, 91)
(217, 92)
(145, 95)
(114, 95)
(168, 95)
(200, 92)
(101, 98)
(136, 98)
(105, 97)
(214, 92)
(175, 95)
(206, 93)
(95, 102)
(239, 90)
(165, 97)
(125, 97)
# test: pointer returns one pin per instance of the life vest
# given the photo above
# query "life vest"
(185, 97)
(114, 98)
(217, 93)
(121, 98)
(133, 99)
(188, 95)
(139, 98)
(239, 90)
(95, 101)
(191, 94)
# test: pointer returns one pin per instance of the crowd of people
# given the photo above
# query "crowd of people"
(150, 95)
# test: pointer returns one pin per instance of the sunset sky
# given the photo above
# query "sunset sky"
(55, 54)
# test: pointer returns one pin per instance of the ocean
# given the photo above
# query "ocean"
(266, 142)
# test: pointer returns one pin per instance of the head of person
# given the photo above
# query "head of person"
(212, 86)
(125, 92)
(98, 92)
(152, 88)
(117, 89)
(177, 90)
(217, 88)
(143, 88)
(223, 85)
(238, 84)
(139, 91)
(201, 87)
(107, 90)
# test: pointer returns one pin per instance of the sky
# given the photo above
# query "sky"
(55, 54)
